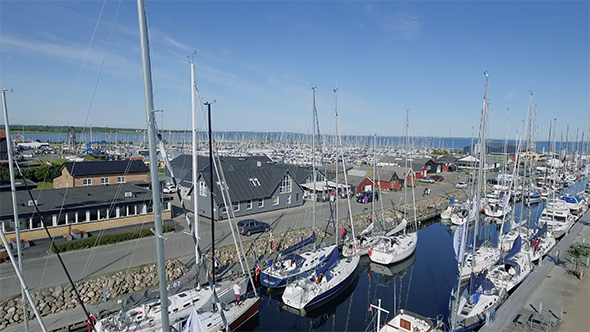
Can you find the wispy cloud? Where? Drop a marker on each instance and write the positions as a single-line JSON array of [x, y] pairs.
[[399, 23]]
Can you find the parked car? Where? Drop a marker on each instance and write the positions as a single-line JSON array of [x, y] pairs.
[[437, 178], [427, 180], [461, 185], [250, 226], [169, 189], [367, 197]]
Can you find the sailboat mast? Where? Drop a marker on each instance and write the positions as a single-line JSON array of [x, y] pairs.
[[195, 229], [14, 204], [313, 161], [373, 180], [156, 199], [337, 161], [482, 156]]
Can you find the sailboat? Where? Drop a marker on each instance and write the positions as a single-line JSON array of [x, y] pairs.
[[289, 265], [396, 245], [471, 304], [175, 310], [515, 266], [329, 278]]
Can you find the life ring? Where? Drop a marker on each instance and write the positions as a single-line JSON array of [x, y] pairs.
[[357, 246]]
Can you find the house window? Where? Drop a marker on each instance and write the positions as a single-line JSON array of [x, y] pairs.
[[237, 207], [121, 179], [286, 185], [260, 202], [289, 199], [275, 200], [249, 205], [104, 181], [254, 182], [87, 182], [202, 189], [297, 197]]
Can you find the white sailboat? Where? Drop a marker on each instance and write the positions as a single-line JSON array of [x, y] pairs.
[[515, 266], [160, 315], [473, 303], [396, 245], [329, 278], [291, 266]]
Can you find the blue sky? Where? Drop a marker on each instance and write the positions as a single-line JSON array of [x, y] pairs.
[[78, 63]]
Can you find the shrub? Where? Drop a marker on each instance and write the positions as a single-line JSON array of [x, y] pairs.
[[105, 240]]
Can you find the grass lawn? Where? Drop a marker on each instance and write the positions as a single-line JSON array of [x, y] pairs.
[[44, 185]]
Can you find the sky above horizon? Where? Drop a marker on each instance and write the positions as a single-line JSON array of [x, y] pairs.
[[78, 63]]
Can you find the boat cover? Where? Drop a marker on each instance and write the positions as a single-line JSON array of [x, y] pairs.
[[325, 269], [571, 199], [398, 228], [540, 231], [515, 249], [299, 245]]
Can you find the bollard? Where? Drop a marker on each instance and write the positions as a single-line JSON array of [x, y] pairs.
[[582, 274], [557, 256], [587, 261], [541, 307]]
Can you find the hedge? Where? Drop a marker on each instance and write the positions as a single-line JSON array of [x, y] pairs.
[[105, 240]]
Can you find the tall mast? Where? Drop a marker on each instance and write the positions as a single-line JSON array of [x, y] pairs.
[[14, 206], [374, 171], [156, 199], [196, 189], [482, 155], [337, 161], [315, 196]]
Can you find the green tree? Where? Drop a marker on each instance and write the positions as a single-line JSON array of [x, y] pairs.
[[577, 251]]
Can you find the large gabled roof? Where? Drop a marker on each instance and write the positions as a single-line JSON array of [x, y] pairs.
[[86, 168], [247, 183]]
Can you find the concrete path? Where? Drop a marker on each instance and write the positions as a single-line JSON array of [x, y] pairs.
[[551, 298]]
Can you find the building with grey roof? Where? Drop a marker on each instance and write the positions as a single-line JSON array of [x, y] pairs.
[[83, 208], [96, 173], [255, 184]]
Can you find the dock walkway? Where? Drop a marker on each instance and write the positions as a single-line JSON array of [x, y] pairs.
[[550, 299]]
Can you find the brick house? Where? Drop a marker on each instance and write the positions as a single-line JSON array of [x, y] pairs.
[[96, 173]]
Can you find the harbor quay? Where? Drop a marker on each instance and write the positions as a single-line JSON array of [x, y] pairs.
[[551, 298]]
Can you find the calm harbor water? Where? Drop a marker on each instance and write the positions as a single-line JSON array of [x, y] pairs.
[[421, 284]]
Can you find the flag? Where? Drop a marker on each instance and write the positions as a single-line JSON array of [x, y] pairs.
[[459, 242], [193, 324], [452, 200]]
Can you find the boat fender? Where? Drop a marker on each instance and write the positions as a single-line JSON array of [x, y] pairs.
[[319, 279]]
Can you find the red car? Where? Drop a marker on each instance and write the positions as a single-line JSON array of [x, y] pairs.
[[437, 178]]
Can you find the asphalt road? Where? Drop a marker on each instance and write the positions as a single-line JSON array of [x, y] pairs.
[[43, 270]]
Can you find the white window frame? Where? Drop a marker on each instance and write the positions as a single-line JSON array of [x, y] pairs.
[[249, 205], [254, 182], [202, 189], [288, 199], [87, 182], [276, 200], [237, 207], [286, 185], [121, 179], [297, 197], [104, 181], [260, 203]]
